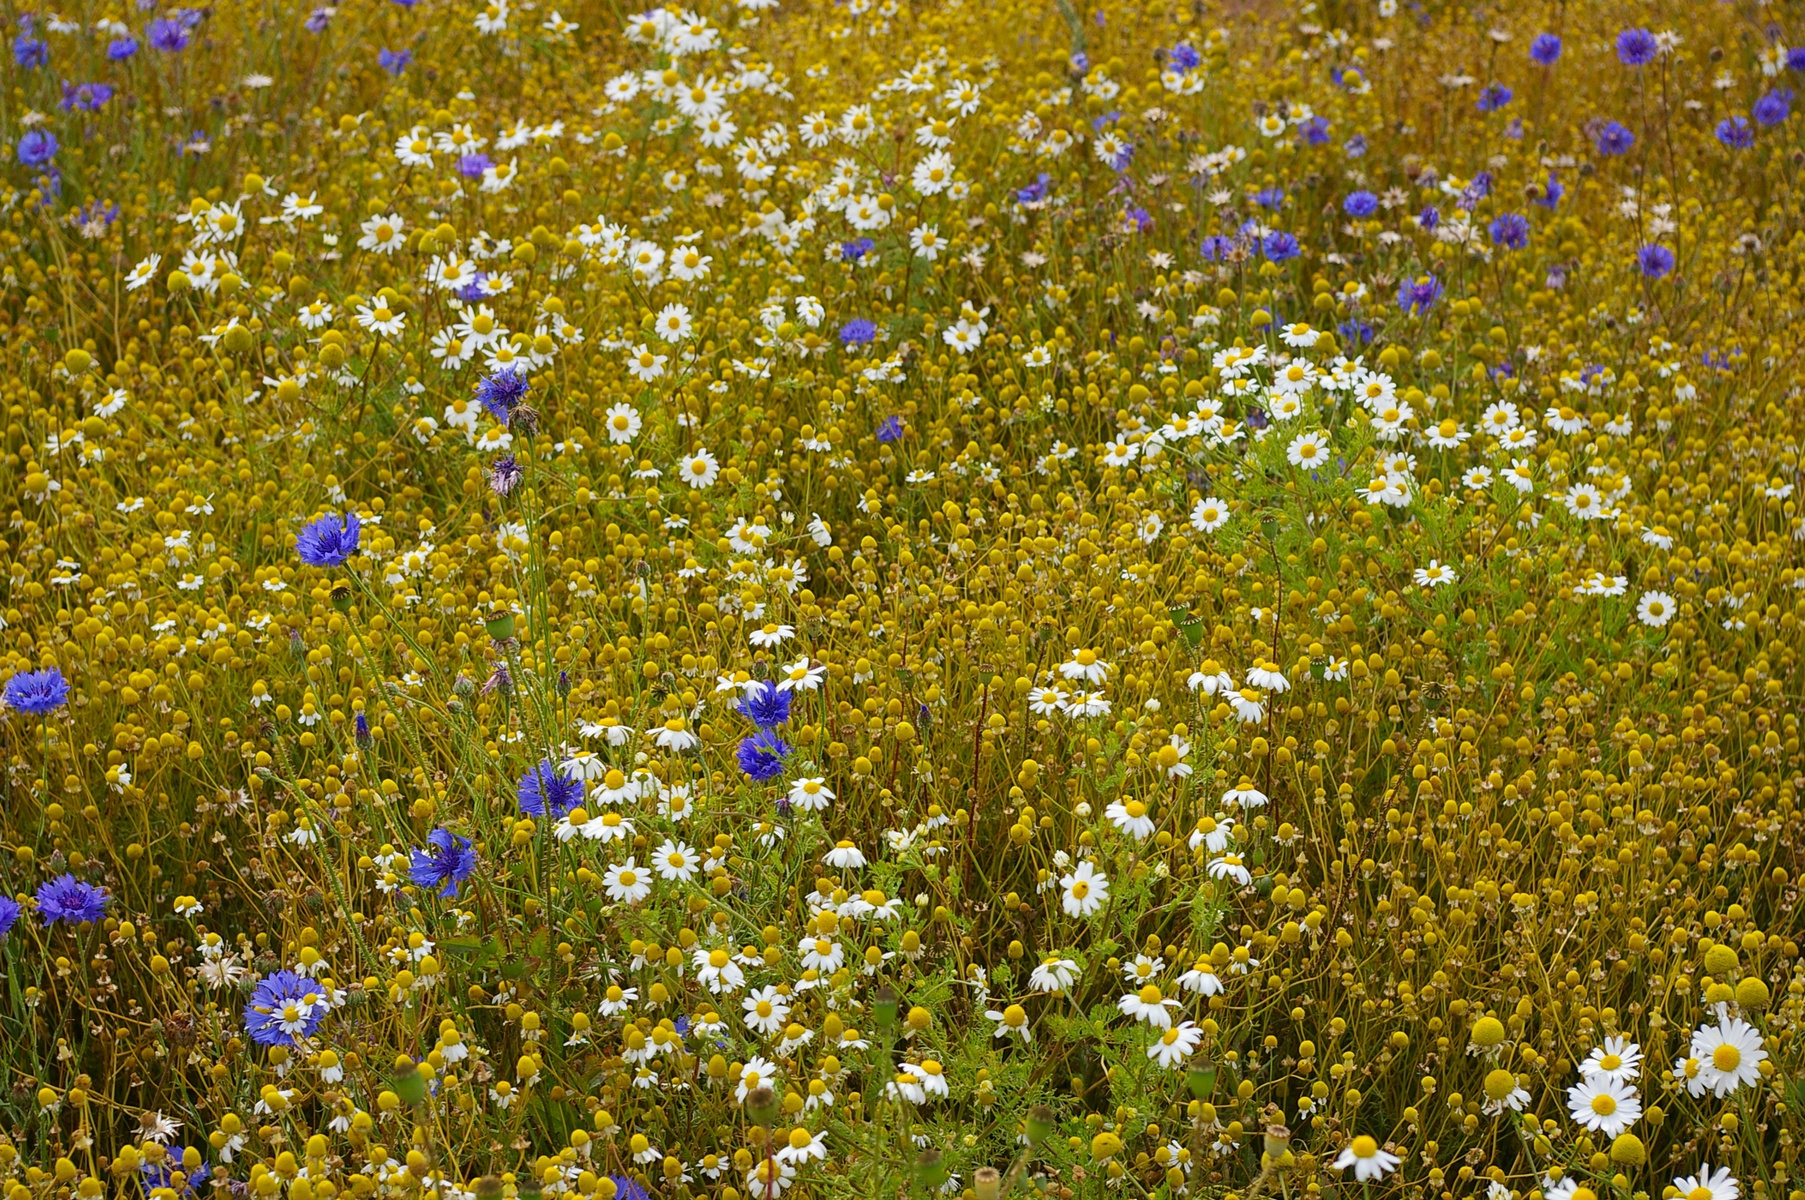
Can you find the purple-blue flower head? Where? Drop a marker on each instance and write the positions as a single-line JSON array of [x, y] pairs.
[[122, 48], [761, 755], [285, 1006], [1279, 246], [1795, 59], [890, 429], [765, 706], [167, 34], [1183, 57], [9, 914], [1035, 191], [1774, 107], [162, 1175], [88, 97], [37, 147], [472, 166], [1429, 218], [1419, 295], [1545, 49], [37, 692], [858, 332], [1355, 147], [394, 61], [505, 474], [1654, 261], [856, 249], [1613, 139], [502, 392], [69, 900], [1494, 97], [446, 861], [1637, 47], [1510, 230], [1216, 248], [1314, 132], [546, 791], [1736, 133], [329, 541], [1271, 197], [1551, 195], [1360, 204], [30, 52]]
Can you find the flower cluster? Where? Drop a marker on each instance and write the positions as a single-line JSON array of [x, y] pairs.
[[785, 597]]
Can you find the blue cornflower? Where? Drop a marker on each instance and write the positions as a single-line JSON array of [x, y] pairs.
[[628, 1188], [502, 392], [37, 692], [1494, 97], [328, 541], [1795, 59], [1736, 133], [1280, 246], [9, 914], [1216, 248], [1774, 107], [167, 35], [1551, 195], [1314, 132], [1360, 204], [1034, 191], [858, 332], [1355, 147], [472, 166], [1637, 47], [121, 48], [1510, 230], [1183, 58], [856, 249], [890, 429], [1654, 261], [37, 147], [1429, 218], [761, 755], [1355, 331], [318, 19], [285, 1007], [765, 706], [1140, 218], [30, 52], [1545, 49], [394, 61], [547, 791], [505, 474], [89, 97], [71, 901], [1419, 295], [446, 861], [1613, 140], [1272, 197], [1474, 192], [159, 1175]]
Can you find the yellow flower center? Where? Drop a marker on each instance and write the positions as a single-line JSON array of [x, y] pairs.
[[1726, 1058], [1364, 1147], [1604, 1104]]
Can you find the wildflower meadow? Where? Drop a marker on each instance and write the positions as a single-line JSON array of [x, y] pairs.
[[850, 598]]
